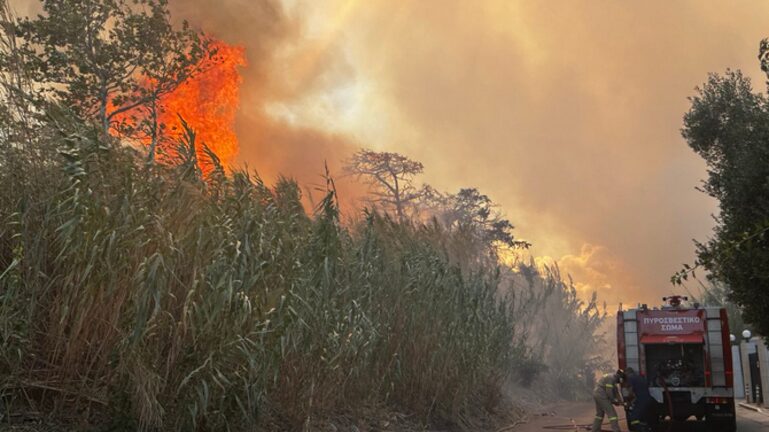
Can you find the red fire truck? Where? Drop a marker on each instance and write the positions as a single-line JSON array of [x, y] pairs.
[[684, 353]]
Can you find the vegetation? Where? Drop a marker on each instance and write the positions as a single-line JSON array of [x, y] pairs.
[[218, 302], [471, 216], [180, 302], [152, 296], [727, 126], [480, 230], [110, 60], [563, 333]]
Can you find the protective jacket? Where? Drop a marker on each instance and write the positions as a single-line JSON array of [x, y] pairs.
[[606, 387]]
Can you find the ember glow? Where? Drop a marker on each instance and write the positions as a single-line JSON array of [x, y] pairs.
[[209, 101]]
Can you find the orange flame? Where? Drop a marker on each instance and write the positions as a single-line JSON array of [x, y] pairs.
[[209, 101]]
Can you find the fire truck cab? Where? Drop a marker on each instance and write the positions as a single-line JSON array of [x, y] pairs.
[[685, 355]]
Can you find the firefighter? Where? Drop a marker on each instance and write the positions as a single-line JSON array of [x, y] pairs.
[[606, 396], [638, 413]]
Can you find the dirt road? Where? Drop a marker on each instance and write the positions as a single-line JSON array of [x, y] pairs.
[[582, 413]]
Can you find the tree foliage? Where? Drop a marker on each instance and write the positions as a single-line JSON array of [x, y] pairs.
[[481, 230], [713, 293], [470, 210], [108, 60], [728, 126], [473, 216]]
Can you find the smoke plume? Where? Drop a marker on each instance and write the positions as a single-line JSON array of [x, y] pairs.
[[567, 114]]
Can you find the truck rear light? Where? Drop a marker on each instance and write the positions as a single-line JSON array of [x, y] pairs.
[[717, 400]]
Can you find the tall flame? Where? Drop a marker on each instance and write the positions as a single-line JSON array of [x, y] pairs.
[[209, 101]]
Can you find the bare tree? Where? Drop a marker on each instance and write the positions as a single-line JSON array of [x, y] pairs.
[[392, 177]]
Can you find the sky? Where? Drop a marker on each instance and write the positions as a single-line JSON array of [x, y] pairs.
[[566, 113]]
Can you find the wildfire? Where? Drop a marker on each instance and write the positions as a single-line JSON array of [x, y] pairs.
[[209, 101]]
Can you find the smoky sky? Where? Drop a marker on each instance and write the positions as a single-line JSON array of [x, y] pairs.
[[567, 114], [270, 37]]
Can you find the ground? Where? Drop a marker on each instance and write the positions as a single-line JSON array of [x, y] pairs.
[[563, 416]]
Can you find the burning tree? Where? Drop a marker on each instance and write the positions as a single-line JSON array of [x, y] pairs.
[[110, 61], [208, 102]]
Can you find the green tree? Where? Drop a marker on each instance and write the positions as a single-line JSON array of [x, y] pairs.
[[728, 126], [109, 60]]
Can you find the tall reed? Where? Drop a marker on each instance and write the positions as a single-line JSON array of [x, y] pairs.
[[176, 302]]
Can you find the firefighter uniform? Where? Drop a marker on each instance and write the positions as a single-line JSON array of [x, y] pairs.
[[605, 394]]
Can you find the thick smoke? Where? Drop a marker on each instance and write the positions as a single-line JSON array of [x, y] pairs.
[[277, 73], [568, 114]]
